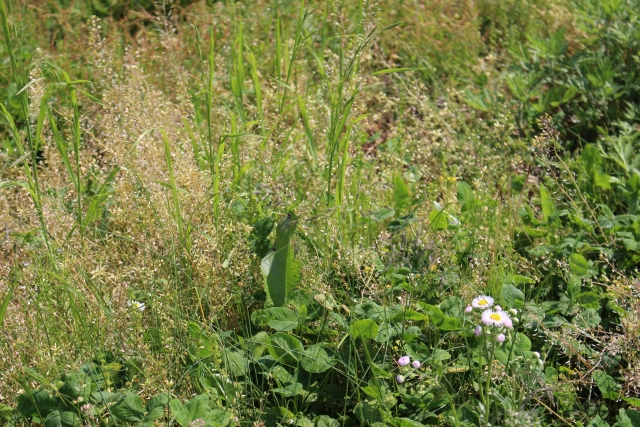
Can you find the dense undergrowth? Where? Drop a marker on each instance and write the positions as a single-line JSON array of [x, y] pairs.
[[268, 213]]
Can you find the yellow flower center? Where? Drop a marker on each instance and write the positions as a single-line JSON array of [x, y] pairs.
[[495, 316], [482, 302]]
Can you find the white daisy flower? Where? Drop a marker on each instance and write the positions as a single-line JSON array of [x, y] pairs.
[[136, 304], [494, 318], [482, 302]]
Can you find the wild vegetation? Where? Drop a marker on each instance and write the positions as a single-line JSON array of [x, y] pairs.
[[321, 213]]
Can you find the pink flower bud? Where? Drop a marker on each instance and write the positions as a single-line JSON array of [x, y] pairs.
[[501, 338], [416, 364], [404, 361], [469, 309], [400, 379], [478, 330]]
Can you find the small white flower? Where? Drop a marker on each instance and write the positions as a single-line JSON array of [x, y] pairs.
[[136, 304], [495, 318], [482, 302]]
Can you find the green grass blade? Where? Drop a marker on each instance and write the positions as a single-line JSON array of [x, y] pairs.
[[5, 304]]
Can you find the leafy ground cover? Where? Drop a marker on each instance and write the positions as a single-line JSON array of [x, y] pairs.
[[267, 213]]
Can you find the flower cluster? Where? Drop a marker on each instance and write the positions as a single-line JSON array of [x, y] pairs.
[[405, 361], [491, 317]]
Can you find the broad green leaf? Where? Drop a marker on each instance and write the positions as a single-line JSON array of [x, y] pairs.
[[628, 418], [263, 227], [325, 421], [632, 401], [523, 342], [452, 306], [279, 318], [315, 359], [62, 419], [196, 408], [450, 324], [438, 220], [587, 319], [409, 314], [368, 414], [156, 405], [283, 325], [36, 402], [284, 348], [406, 422], [364, 329], [465, 197], [435, 314], [401, 195], [382, 214], [547, 203], [589, 299], [607, 385], [236, 363], [439, 355], [289, 390], [578, 265], [522, 280], [128, 408], [512, 296], [279, 267]]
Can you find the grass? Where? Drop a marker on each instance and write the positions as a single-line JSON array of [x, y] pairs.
[[300, 193]]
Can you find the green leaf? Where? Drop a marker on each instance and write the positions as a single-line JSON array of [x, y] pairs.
[[466, 197], [439, 355], [263, 227], [64, 419], [587, 319], [435, 314], [632, 401], [401, 195], [522, 280], [128, 408], [315, 359], [364, 329], [325, 421], [236, 363], [627, 418], [512, 296], [382, 214], [38, 402], [578, 265], [607, 385], [452, 306], [279, 268], [284, 348], [196, 408], [290, 390], [279, 318], [406, 422], [450, 324], [155, 407], [438, 220], [523, 342], [547, 203]]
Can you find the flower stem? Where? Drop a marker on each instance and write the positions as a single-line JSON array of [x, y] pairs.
[[487, 388]]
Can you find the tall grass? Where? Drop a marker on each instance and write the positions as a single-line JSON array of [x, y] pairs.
[[139, 182]]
